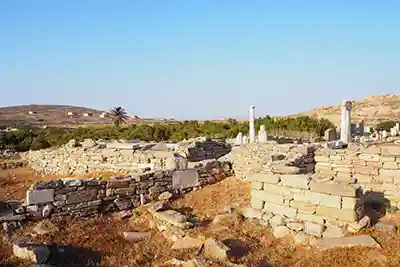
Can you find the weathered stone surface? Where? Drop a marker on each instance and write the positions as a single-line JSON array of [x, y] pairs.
[[296, 226], [277, 221], [314, 229], [267, 197], [165, 196], [185, 179], [301, 239], [281, 210], [187, 242], [215, 249], [135, 236], [385, 227], [39, 196], [281, 231], [264, 178], [31, 252], [334, 189], [81, 196], [333, 232], [252, 213], [296, 181], [45, 227], [345, 242]]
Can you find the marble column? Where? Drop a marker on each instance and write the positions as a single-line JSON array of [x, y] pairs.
[[345, 123], [239, 139], [252, 130], [262, 134]]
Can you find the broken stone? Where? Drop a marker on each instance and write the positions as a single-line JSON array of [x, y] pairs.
[[281, 231], [277, 221], [346, 242], [35, 253], [252, 213], [226, 219], [187, 243], [385, 227], [47, 210], [135, 236], [333, 232], [125, 214], [123, 204], [296, 226], [155, 207], [361, 224], [215, 249], [170, 216], [45, 227], [165, 196]]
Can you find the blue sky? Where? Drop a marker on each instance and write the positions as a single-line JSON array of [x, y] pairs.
[[197, 59]]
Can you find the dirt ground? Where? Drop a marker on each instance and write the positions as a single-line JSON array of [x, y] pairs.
[[98, 241]]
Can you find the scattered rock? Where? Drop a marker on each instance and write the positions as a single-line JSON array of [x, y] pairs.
[[252, 213], [45, 227], [281, 231], [346, 242], [226, 219], [35, 253], [215, 249], [125, 214], [188, 243], [173, 217], [296, 226], [135, 236], [361, 224], [385, 227], [154, 207], [333, 232], [165, 196], [267, 216], [47, 210]]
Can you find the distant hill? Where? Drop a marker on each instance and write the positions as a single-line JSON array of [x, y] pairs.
[[371, 109], [50, 115]]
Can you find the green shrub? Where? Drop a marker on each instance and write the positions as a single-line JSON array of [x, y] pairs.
[[385, 125]]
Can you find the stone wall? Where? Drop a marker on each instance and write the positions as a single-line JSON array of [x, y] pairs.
[[12, 164], [271, 157], [82, 197], [375, 168], [284, 199], [92, 157]]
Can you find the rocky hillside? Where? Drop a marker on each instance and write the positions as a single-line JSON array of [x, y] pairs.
[[372, 109], [50, 115]]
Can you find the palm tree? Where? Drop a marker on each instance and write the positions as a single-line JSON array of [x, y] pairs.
[[118, 115]]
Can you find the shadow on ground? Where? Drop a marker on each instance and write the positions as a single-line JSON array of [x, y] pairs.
[[66, 255]]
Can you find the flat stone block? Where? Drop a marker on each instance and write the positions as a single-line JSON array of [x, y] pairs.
[[339, 214], [351, 203], [310, 217], [267, 197], [281, 210], [334, 189], [331, 201], [182, 179], [390, 150], [314, 229], [300, 205], [279, 190], [39, 196], [257, 204], [346, 242], [257, 185], [296, 181], [81, 196], [264, 177], [391, 173]]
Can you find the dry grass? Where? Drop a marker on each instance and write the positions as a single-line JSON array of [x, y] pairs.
[[100, 236]]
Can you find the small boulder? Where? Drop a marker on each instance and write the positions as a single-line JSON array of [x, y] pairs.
[[281, 232], [125, 214], [215, 249], [135, 236], [251, 213], [187, 242], [35, 253], [296, 226], [165, 196], [361, 224], [385, 227], [45, 227], [346, 242], [276, 221]]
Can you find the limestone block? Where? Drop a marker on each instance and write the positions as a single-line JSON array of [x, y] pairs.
[[340, 214], [369, 157], [310, 217], [351, 203], [321, 158], [347, 242], [363, 178], [267, 197], [215, 249], [296, 181], [252, 213], [314, 229], [264, 177], [280, 190], [128, 191], [257, 185], [39, 196], [391, 165], [388, 159], [390, 150], [334, 189], [281, 210], [302, 206], [331, 201], [391, 173]]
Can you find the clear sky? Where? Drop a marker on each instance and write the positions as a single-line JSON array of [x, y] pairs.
[[198, 59]]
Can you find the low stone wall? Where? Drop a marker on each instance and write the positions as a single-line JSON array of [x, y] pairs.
[[82, 197], [92, 157], [12, 164], [315, 207], [375, 168], [271, 157]]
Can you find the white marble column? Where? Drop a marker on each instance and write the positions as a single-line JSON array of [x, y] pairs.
[[345, 123], [262, 134], [239, 139], [252, 130]]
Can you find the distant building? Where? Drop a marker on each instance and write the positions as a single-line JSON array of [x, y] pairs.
[[103, 115], [31, 112], [70, 113], [87, 114]]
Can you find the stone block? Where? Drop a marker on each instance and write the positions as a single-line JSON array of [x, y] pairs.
[[347, 242], [390, 150], [322, 158], [252, 213], [302, 206], [264, 177], [314, 229], [279, 190], [39, 196], [182, 179], [81, 196], [362, 178], [257, 185], [391, 173], [310, 217], [281, 210], [296, 181], [391, 165], [119, 183], [334, 189], [331, 201], [267, 197], [257, 203], [369, 157], [346, 215], [128, 191], [351, 203]]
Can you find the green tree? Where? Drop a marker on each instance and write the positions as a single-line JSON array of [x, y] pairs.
[[118, 115], [385, 125]]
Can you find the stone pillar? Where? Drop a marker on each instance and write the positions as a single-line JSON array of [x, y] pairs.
[[239, 139], [345, 122], [397, 126], [245, 140], [252, 130], [262, 134]]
